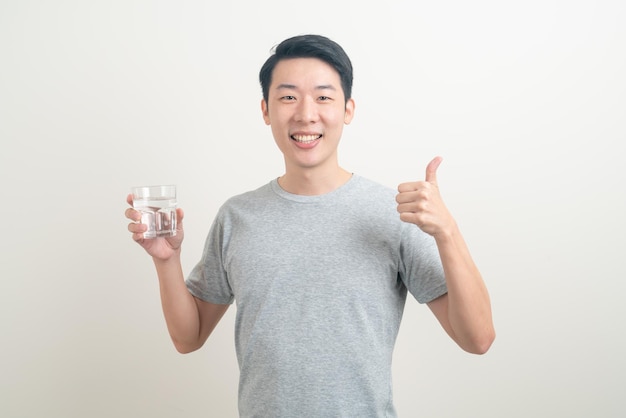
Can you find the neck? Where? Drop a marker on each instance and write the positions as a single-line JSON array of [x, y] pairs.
[[311, 183]]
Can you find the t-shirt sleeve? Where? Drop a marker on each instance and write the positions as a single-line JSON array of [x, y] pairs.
[[420, 265], [209, 280]]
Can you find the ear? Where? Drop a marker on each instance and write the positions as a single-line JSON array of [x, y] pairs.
[[265, 111], [349, 113]]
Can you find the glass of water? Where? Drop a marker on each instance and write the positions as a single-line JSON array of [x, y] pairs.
[[157, 205]]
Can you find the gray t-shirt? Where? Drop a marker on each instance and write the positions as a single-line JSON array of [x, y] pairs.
[[320, 284]]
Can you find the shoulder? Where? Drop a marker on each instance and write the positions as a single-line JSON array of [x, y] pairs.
[[374, 194], [245, 201], [262, 192], [366, 184]]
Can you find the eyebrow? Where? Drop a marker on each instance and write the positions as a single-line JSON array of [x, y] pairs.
[[286, 86]]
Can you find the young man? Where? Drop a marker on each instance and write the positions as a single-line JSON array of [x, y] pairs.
[[319, 261]]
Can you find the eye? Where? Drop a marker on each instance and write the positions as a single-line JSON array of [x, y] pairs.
[[288, 98], [324, 98]]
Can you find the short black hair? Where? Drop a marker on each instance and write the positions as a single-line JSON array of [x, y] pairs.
[[309, 46]]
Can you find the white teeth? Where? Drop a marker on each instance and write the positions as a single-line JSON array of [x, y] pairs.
[[305, 139]]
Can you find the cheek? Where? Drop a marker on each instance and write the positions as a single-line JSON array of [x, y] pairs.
[[333, 117], [278, 131], [335, 123], [274, 119]]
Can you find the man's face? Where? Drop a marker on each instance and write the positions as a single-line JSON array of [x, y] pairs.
[[306, 109]]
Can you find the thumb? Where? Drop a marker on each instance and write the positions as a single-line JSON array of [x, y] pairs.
[[431, 170]]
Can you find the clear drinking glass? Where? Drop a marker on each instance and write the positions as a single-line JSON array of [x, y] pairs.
[[157, 205]]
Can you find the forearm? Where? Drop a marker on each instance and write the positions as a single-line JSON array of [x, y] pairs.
[[179, 306], [469, 306]]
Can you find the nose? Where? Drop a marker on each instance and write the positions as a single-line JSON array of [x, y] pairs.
[[306, 111]]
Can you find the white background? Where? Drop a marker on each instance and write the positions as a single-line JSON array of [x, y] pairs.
[[524, 100]]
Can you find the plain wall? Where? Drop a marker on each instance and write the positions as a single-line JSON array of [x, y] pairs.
[[524, 100]]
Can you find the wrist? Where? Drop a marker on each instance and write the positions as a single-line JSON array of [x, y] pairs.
[[448, 233], [174, 258]]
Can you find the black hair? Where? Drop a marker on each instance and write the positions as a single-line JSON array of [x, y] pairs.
[[309, 46]]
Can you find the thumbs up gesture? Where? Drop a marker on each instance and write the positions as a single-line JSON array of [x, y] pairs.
[[420, 203]]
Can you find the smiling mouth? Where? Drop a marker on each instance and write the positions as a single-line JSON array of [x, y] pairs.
[[306, 139]]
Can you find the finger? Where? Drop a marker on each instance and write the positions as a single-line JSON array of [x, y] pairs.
[[129, 199], [179, 219], [431, 170], [408, 217], [409, 187], [136, 228], [412, 206], [133, 215], [138, 238], [406, 197]]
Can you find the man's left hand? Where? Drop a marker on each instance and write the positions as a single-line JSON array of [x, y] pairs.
[[420, 203]]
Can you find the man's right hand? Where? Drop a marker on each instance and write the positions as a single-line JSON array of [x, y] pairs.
[[159, 248]]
